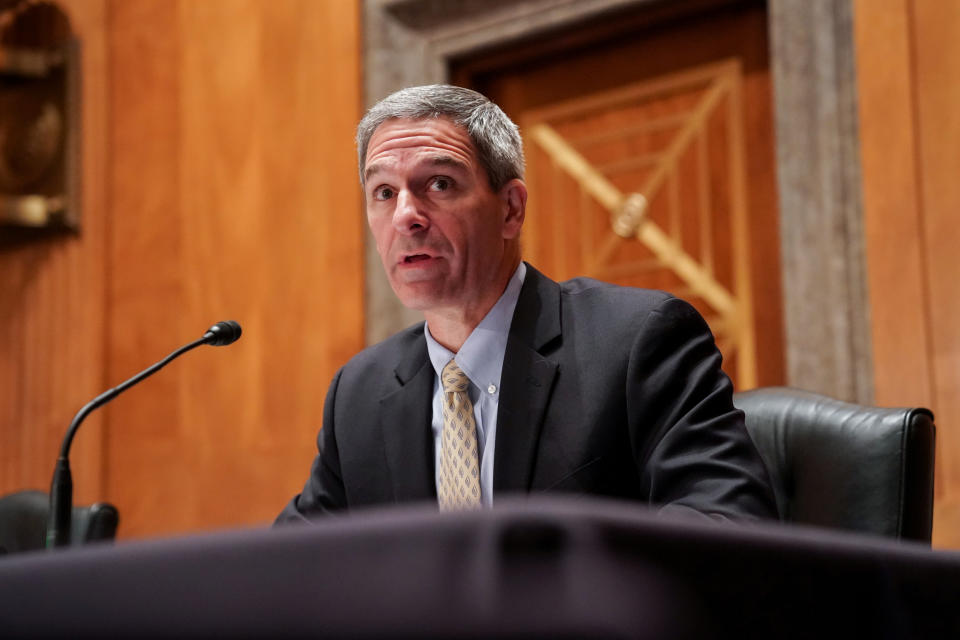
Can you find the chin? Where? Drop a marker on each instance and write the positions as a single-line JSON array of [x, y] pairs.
[[412, 299]]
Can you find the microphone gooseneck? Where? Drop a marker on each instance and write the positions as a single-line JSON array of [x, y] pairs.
[[61, 488]]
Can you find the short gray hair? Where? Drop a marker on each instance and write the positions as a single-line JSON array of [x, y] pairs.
[[495, 137]]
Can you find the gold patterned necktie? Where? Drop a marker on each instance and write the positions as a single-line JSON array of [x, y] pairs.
[[459, 486]]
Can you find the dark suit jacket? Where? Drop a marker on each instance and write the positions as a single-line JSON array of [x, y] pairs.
[[605, 390]]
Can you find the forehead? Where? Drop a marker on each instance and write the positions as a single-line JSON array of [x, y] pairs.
[[400, 138]]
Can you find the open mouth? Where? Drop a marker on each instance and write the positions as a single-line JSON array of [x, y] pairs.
[[416, 257]]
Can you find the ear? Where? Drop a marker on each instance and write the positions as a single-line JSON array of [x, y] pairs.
[[514, 198]]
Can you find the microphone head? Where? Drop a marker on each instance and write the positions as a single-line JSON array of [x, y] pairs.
[[223, 333]]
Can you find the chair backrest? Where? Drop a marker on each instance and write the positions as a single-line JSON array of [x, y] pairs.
[[843, 465], [23, 522]]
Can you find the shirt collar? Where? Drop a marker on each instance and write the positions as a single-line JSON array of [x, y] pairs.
[[481, 356]]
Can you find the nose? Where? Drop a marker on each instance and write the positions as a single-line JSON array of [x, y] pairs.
[[407, 217]]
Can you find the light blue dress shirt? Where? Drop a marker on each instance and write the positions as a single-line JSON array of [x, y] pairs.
[[481, 358]]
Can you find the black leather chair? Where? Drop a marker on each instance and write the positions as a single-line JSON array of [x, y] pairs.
[[847, 466], [23, 522]]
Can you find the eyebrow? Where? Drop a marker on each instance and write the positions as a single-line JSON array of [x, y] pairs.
[[447, 161], [372, 169], [434, 161]]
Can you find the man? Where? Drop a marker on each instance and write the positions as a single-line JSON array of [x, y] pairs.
[[515, 383]]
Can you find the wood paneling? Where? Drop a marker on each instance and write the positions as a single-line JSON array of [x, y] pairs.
[[908, 60], [638, 46], [676, 140], [936, 34], [218, 182], [891, 204], [234, 195], [52, 309]]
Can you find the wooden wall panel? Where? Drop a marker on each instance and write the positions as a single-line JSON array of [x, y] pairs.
[[936, 36], [899, 303], [908, 55], [146, 308], [234, 196], [52, 309]]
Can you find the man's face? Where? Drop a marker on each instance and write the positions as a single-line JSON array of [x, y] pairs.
[[442, 233]]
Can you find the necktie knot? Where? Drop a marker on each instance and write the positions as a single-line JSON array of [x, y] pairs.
[[453, 378]]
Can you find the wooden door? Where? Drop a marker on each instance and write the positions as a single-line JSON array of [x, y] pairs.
[[650, 163]]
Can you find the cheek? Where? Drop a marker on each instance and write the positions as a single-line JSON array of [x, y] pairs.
[[380, 233]]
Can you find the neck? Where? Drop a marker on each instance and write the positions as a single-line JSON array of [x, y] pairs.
[[449, 331], [452, 326]]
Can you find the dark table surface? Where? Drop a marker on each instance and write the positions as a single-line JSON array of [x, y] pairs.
[[529, 568]]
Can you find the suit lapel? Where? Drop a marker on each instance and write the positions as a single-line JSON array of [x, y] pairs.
[[526, 382], [405, 416]]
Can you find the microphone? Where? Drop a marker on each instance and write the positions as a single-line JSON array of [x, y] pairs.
[[61, 488], [223, 333]]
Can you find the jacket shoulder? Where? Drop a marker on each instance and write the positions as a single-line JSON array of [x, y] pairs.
[[594, 292], [623, 314]]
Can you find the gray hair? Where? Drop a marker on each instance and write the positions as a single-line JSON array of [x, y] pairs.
[[495, 137]]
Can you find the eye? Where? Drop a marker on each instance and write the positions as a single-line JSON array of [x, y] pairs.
[[440, 183], [383, 193]]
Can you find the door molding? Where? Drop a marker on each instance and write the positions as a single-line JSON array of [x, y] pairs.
[[825, 298]]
